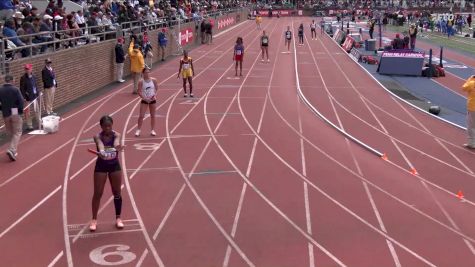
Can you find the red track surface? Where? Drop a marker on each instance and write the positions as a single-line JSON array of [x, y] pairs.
[[247, 175]]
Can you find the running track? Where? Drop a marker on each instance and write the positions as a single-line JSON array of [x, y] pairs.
[[247, 175]]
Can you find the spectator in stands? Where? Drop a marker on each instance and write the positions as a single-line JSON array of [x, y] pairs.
[[162, 42], [469, 87], [120, 56], [18, 19], [136, 62], [7, 9], [32, 15], [30, 92], [49, 84], [10, 32], [11, 103], [413, 35], [80, 20]]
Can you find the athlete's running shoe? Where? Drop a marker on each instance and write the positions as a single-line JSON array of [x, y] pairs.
[[153, 133], [93, 226], [119, 224], [12, 155], [137, 133]]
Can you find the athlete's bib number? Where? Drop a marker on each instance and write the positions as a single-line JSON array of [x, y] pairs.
[[238, 52], [149, 92], [264, 40], [288, 35], [186, 66], [109, 154]]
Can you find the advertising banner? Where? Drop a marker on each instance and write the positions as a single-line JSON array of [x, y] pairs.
[[185, 36]]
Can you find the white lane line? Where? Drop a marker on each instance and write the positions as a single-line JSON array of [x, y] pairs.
[[305, 185], [195, 193], [235, 223], [142, 258], [92, 235], [126, 179], [56, 259], [29, 212], [67, 244], [272, 205], [35, 163], [230, 240], [199, 159]]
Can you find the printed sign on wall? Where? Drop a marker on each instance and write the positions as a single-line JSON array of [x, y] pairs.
[[185, 36]]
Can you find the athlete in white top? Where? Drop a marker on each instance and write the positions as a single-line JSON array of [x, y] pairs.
[[148, 99], [313, 27]]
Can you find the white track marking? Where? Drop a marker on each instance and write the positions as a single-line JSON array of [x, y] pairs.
[[305, 185], [439, 205], [35, 163], [69, 258], [29, 212], [368, 193], [195, 193], [168, 137], [142, 258], [272, 205], [68, 254], [145, 233], [56, 259]]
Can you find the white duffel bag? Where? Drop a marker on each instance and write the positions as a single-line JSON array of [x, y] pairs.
[[50, 123]]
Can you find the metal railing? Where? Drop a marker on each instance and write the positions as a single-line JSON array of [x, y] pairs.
[[50, 42]]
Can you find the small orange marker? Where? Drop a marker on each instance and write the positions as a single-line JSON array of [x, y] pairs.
[[384, 156], [460, 195], [414, 172]]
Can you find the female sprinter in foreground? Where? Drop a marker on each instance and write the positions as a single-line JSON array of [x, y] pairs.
[[186, 70], [107, 166], [238, 54], [147, 90]]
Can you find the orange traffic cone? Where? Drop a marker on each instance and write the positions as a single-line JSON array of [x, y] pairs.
[[384, 156], [460, 195], [414, 172]]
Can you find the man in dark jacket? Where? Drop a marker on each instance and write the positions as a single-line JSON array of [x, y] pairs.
[[11, 104], [29, 91], [120, 56], [49, 84]]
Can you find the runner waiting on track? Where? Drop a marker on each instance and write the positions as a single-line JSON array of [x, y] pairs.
[[186, 70], [265, 46], [239, 54], [148, 92], [313, 27], [107, 166], [258, 21], [288, 38], [301, 34]]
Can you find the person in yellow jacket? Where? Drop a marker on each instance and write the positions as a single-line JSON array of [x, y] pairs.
[[136, 63], [469, 87]]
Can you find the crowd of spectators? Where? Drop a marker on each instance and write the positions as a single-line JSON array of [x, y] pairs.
[[362, 4], [23, 24]]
